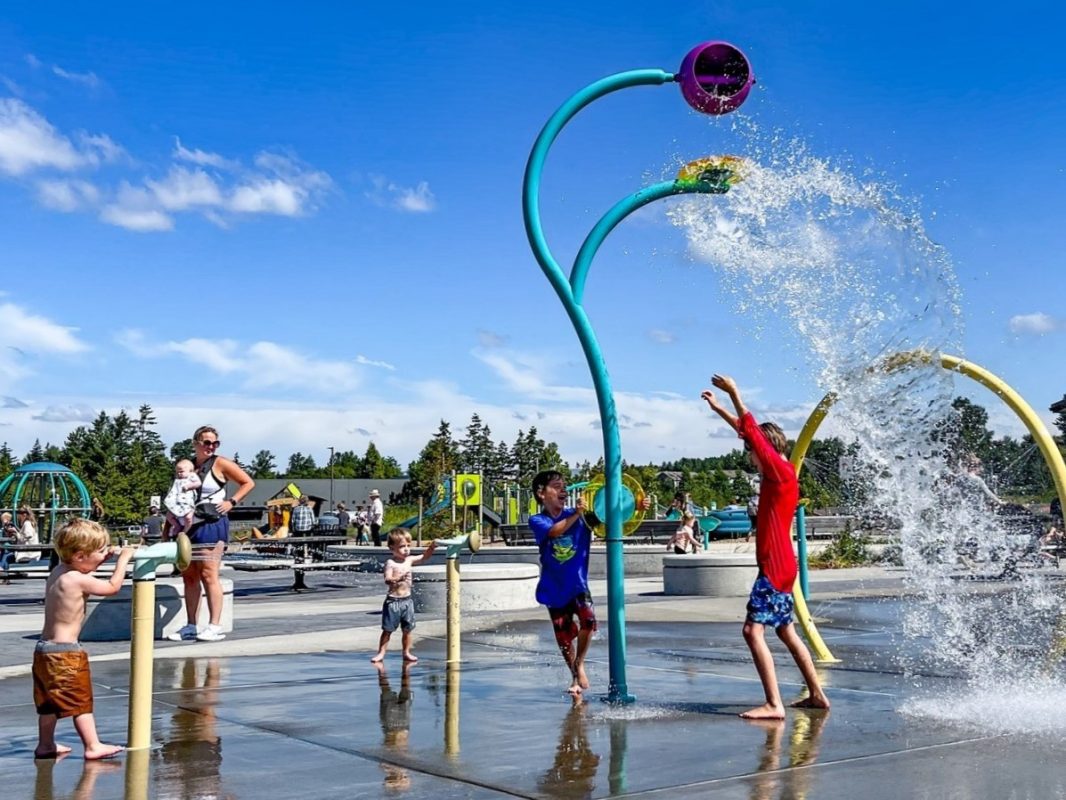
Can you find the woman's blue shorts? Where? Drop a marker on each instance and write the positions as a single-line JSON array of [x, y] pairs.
[[210, 533], [767, 606]]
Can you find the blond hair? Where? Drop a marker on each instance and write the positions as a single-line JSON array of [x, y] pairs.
[[687, 516], [398, 536], [80, 536]]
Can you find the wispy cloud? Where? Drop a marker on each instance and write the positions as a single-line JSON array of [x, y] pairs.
[[88, 79], [361, 359], [416, 200], [259, 365], [1036, 324], [72, 413], [12, 402], [491, 339], [24, 334], [202, 158], [29, 142], [67, 195], [659, 336]]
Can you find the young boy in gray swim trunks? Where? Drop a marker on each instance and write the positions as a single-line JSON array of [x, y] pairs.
[[398, 610]]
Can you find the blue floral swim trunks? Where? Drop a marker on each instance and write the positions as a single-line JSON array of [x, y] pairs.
[[767, 606]]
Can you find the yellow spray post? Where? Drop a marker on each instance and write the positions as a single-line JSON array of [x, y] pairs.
[[455, 546], [145, 562], [451, 711]]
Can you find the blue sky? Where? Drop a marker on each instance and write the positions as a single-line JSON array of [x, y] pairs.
[[305, 228]]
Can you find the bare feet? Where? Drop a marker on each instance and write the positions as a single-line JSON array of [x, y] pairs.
[[378, 658], [580, 678], [59, 751], [574, 690], [814, 701], [765, 711], [410, 658], [102, 751]]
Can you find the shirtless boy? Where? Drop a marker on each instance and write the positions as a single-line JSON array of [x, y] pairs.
[[398, 610], [62, 685]]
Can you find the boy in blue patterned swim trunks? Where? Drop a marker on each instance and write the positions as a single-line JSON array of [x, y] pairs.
[[771, 597]]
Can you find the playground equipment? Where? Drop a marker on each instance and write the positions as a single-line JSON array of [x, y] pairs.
[[998, 386], [715, 78], [145, 562], [52, 491], [455, 545], [632, 500]]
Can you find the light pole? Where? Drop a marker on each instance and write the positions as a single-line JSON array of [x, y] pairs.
[[331, 506]]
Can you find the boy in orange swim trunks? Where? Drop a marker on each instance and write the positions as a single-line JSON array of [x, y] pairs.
[[62, 685]]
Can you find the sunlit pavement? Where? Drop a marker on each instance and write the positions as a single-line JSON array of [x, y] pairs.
[[326, 724]]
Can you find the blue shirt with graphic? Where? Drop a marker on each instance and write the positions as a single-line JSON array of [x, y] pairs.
[[564, 560]]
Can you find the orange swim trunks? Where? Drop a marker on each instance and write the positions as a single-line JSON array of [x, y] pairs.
[[62, 684]]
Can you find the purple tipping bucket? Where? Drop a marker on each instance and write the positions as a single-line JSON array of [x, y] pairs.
[[715, 78]]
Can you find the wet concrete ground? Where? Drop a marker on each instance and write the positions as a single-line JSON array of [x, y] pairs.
[[327, 725]]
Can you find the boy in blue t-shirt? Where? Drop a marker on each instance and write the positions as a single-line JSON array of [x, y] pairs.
[[565, 543]]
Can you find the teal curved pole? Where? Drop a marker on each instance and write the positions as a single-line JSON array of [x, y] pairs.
[[571, 292]]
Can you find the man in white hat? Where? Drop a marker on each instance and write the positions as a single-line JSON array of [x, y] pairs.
[[376, 516]]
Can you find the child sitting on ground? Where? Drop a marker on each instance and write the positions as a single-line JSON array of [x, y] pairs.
[[398, 610], [181, 499], [771, 601], [684, 535], [62, 685]]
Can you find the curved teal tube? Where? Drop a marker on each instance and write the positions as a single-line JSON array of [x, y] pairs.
[[571, 292]]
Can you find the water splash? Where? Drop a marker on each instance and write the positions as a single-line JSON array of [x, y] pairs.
[[841, 270]]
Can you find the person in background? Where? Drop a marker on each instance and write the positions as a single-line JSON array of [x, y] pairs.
[[376, 516], [344, 519], [152, 526], [302, 519]]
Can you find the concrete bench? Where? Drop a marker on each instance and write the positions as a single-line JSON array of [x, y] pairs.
[[482, 587], [107, 619], [709, 575]]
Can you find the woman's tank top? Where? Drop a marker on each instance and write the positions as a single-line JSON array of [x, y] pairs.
[[212, 487]]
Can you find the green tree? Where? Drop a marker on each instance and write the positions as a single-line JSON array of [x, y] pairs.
[[36, 453], [183, 448], [8, 462], [263, 465], [476, 449], [301, 466], [437, 460]]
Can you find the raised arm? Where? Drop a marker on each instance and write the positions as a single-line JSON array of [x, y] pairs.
[[719, 409], [102, 588], [426, 554]]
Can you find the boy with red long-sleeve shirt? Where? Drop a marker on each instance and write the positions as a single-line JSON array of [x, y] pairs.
[[770, 602]]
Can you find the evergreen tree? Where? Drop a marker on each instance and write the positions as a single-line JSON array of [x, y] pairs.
[[183, 448], [437, 460], [263, 465], [476, 448], [8, 462], [36, 453], [301, 466]]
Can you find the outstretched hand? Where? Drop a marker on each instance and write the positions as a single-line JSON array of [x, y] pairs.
[[711, 399], [725, 383]]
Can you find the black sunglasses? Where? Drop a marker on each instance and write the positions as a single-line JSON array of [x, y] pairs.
[[209, 443]]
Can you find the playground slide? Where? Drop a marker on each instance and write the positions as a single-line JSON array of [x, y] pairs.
[[441, 502]]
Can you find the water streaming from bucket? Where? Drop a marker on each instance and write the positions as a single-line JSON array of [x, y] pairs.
[[840, 270]]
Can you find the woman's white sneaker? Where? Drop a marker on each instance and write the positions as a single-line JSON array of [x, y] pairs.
[[212, 633]]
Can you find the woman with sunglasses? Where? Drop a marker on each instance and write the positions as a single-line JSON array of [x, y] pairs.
[[209, 534]]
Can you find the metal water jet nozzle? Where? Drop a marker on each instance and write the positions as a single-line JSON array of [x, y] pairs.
[[457, 543], [715, 77], [148, 559]]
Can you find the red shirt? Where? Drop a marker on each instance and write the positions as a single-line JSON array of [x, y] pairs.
[[778, 496]]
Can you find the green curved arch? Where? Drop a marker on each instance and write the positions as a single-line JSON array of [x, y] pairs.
[[997, 385]]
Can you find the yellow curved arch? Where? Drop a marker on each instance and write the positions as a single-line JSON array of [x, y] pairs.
[[998, 386]]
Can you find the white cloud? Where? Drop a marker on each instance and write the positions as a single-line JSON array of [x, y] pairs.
[[260, 365], [24, 335], [1036, 324], [416, 200], [660, 336], [184, 188], [361, 359], [140, 220], [72, 413], [101, 148], [32, 60], [29, 142], [67, 195], [202, 158], [84, 78], [490, 339], [11, 86]]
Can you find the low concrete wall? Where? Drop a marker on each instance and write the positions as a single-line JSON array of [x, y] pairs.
[[709, 575], [636, 559], [482, 587], [107, 619]]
